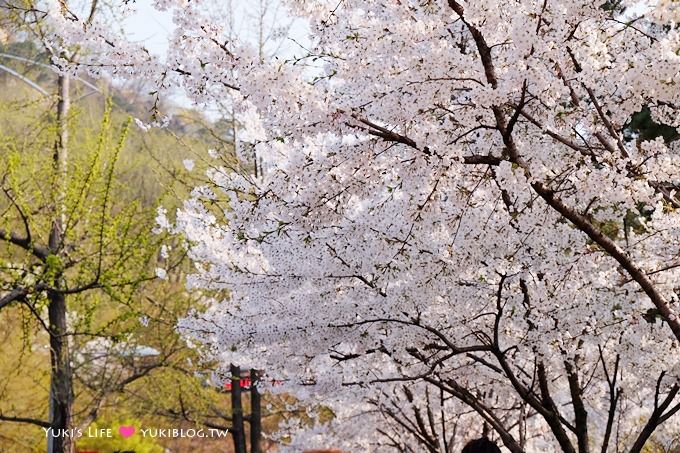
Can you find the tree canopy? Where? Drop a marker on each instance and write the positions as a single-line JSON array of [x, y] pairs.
[[466, 215]]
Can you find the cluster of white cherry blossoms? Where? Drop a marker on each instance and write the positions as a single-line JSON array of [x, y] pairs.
[[453, 201]]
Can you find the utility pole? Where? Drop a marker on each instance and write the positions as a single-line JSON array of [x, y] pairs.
[[255, 413], [237, 431]]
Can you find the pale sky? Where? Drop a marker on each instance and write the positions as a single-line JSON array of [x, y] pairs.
[[152, 27]]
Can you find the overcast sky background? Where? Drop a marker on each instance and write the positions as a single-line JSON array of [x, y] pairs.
[[152, 28]]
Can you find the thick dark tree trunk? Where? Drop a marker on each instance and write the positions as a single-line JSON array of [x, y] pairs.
[[255, 414], [61, 390], [61, 379], [237, 431]]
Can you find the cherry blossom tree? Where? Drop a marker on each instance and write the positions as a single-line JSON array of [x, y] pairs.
[[457, 200]]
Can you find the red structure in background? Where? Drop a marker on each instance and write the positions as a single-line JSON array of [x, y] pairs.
[[245, 383]]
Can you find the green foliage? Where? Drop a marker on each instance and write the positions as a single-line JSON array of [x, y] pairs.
[[610, 228], [642, 125], [106, 260], [615, 6]]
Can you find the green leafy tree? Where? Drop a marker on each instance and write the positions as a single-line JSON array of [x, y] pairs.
[[118, 337]]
